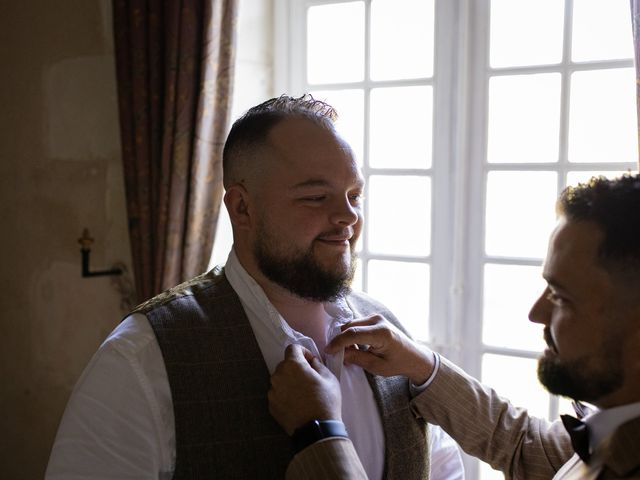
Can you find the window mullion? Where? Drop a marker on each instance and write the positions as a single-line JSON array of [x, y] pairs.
[[472, 185]]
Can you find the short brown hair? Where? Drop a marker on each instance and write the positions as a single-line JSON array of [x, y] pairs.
[[251, 130]]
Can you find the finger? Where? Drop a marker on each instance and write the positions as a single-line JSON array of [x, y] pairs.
[[364, 321], [298, 354], [320, 367], [294, 352], [352, 336], [363, 359], [311, 358], [308, 355]]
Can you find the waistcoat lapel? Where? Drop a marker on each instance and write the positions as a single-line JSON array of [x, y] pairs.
[[406, 445], [406, 450]]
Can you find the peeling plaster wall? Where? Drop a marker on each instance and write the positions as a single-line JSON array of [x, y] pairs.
[[60, 171]]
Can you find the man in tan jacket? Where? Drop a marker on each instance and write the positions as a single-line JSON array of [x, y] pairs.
[[590, 311]]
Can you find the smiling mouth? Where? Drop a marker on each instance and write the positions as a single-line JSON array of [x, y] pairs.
[[342, 242], [337, 238]]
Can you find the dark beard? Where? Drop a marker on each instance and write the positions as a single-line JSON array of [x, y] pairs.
[[575, 380], [301, 274]]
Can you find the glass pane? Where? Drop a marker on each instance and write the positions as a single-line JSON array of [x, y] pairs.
[[524, 118], [509, 293], [356, 284], [565, 407], [574, 178], [601, 30], [350, 107], [404, 288], [516, 379], [223, 240], [401, 26], [401, 125], [399, 215], [523, 33], [338, 56], [520, 213], [603, 125]]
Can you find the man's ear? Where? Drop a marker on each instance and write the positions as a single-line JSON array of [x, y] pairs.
[[237, 201]]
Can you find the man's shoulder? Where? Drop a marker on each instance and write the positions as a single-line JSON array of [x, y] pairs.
[[362, 300], [363, 305], [623, 449], [197, 285], [132, 340]]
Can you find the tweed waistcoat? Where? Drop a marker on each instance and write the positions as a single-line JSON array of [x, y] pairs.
[[219, 383]]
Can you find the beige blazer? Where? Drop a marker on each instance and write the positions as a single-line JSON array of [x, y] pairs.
[[488, 427]]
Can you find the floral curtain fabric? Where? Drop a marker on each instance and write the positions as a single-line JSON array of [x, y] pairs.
[[174, 63]]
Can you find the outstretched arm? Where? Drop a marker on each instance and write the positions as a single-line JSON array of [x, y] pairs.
[[303, 390]]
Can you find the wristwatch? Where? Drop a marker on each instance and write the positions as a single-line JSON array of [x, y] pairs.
[[316, 430]]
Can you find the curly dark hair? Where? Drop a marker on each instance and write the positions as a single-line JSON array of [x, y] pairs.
[[251, 130], [614, 205]]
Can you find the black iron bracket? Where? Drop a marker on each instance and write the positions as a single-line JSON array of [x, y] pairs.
[[85, 243]]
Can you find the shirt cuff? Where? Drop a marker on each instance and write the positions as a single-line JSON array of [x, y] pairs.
[[417, 389]]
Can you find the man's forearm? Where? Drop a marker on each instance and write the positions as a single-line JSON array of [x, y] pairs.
[[332, 459], [490, 428]]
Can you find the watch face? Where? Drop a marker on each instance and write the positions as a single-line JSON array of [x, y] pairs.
[[317, 430]]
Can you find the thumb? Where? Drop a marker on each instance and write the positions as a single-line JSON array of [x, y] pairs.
[[296, 353], [302, 356], [318, 366]]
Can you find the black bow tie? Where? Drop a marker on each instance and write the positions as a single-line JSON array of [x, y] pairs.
[[579, 433]]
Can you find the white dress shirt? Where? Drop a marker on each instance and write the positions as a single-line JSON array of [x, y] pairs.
[[119, 420]]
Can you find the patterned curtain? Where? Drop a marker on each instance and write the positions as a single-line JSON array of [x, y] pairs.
[[635, 23], [174, 62]]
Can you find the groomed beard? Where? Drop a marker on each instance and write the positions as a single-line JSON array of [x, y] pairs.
[[300, 273], [580, 379]]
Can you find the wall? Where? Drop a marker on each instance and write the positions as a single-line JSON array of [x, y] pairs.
[[60, 171]]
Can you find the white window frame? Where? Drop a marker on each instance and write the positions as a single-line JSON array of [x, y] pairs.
[[289, 72], [461, 91]]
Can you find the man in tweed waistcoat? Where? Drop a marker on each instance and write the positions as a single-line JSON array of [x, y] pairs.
[[179, 389]]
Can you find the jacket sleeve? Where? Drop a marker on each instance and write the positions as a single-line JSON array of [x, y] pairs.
[[330, 459], [488, 427]]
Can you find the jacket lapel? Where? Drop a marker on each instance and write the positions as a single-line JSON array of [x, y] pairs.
[[621, 454]]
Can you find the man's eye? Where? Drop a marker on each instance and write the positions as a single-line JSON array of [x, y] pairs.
[[556, 299], [315, 198], [356, 197]]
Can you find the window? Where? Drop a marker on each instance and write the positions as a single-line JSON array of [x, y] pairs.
[[469, 117]]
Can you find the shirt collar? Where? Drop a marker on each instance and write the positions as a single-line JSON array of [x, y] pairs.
[[259, 308]]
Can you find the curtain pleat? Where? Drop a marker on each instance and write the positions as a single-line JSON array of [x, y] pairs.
[[174, 63]]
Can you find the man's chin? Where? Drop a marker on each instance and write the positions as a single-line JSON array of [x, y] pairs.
[[337, 265]]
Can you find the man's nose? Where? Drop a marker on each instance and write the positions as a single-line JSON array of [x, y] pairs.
[[344, 213], [541, 310]]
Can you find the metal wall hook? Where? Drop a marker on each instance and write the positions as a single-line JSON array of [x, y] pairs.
[[85, 242]]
